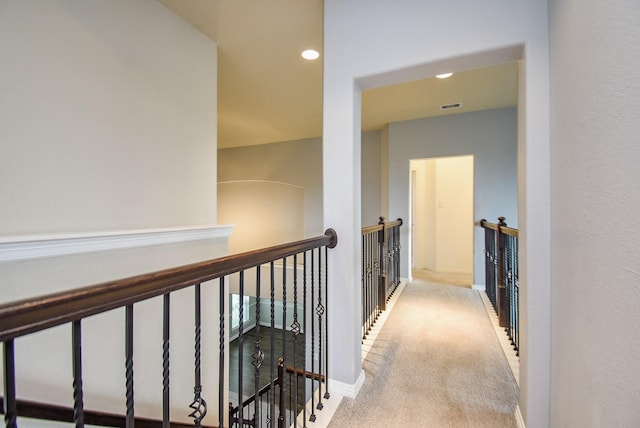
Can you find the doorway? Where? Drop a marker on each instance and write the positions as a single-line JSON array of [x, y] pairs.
[[442, 201]]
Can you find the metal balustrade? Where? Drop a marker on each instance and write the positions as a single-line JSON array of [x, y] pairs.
[[296, 283], [380, 269], [501, 275]]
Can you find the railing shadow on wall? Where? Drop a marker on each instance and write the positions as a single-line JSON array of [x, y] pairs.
[[501, 275], [302, 358], [380, 269]]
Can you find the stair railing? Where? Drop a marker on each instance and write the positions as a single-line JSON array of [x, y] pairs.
[[72, 307], [380, 269], [501, 275]]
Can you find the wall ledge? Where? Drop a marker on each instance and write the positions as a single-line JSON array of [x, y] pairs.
[[36, 246]]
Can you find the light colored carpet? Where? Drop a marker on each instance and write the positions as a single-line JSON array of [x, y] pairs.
[[436, 363], [459, 279]]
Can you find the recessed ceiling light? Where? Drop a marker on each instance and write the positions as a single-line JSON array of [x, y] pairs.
[[444, 75], [310, 54]]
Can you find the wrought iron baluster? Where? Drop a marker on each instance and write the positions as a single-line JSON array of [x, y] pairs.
[[320, 313], [371, 309], [240, 351], [221, 340], [366, 297], [78, 405], [130, 417], [312, 417], [272, 350], [282, 384], [165, 361], [10, 410], [198, 405], [257, 358], [517, 293], [304, 323], [295, 330], [326, 321], [364, 286], [281, 397]]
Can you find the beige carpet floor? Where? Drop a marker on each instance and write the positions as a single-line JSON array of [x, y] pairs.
[[436, 363]]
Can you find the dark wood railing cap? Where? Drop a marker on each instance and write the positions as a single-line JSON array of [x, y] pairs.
[[501, 226], [382, 224], [39, 313]]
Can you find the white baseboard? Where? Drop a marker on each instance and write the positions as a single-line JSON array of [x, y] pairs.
[[36, 246], [346, 389], [322, 417], [478, 287], [519, 419]]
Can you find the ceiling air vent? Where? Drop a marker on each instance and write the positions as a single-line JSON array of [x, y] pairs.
[[452, 106]]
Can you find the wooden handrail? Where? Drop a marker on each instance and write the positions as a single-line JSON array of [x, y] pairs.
[[381, 225], [52, 412], [39, 313], [288, 369], [503, 229]]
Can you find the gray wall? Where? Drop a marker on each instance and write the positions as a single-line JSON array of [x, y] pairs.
[[490, 136], [292, 162], [595, 176], [371, 178], [300, 163]]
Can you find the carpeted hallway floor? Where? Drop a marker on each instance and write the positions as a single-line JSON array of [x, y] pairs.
[[436, 363]]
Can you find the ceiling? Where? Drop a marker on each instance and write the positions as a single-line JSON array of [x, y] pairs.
[[267, 93]]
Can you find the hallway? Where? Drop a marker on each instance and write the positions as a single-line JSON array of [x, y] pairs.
[[436, 362]]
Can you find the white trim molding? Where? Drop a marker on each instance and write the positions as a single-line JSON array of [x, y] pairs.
[[346, 389], [36, 246], [479, 287]]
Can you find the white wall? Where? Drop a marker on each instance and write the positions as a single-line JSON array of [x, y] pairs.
[[595, 87], [443, 240], [375, 43], [297, 163], [107, 118], [454, 214], [263, 213], [107, 123], [490, 136], [371, 178]]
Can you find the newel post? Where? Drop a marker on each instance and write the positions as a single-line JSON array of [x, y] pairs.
[[382, 278], [503, 300]]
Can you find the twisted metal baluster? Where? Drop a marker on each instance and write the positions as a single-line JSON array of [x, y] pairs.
[[320, 312], [295, 330], [363, 287], [257, 358], [78, 405], [199, 405], [312, 417], [165, 362], [272, 350], [281, 417], [221, 369], [130, 418], [10, 410]]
